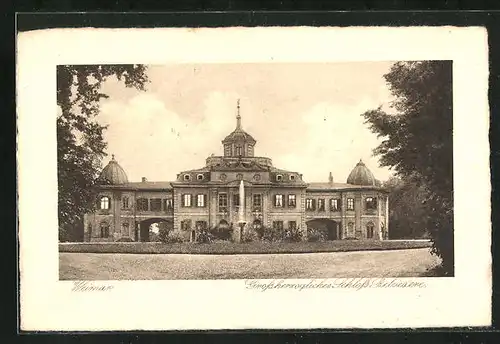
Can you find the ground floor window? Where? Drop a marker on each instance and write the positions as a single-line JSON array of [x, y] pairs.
[[292, 225], [278, 225], [186, 225], [125, 228], [369, 230], [104, 230]]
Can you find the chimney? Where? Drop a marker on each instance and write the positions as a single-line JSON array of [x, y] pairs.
[[330, 178], [144, 179]]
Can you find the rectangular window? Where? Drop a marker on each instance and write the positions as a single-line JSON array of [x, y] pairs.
[[200, 200], [278, 225], [222, 202], [186, 200], [292, 201], [321, 205], [292, 225], [125, 203], [278, 201], [257, 201], [125, 229], [335, 204], [369, 232], [238, 150], [104, 203], [169, 204], [155, 204], [371, 203], [142, 204], [227, 150], [236, 200], [350, 204], [186, 225], [104, 230], [310, 204]]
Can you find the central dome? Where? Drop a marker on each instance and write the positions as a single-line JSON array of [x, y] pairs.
[[361, 175], [239, 143], [113, 173]]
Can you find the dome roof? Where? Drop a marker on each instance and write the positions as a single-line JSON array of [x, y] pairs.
[[113, 173], [239, 135], [361, 175]]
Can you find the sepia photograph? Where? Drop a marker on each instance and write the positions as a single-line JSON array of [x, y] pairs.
[[234, 171], [249, 175]]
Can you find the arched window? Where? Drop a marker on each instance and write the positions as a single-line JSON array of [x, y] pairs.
[[104, 203], [223, 224], [104, 230], [125, 227], [369, 230]]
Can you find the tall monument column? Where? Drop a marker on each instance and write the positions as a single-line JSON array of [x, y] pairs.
[[241, 211]]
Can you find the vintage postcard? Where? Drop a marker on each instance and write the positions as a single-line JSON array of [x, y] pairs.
[[253, 178]]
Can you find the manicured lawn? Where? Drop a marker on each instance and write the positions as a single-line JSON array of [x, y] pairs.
[[391, 263], [243, 248]]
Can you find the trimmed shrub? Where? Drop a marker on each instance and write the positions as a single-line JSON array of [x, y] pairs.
[[272, 234], [163, 234], [250, 235], [225, 234], [204, 237], [174, 238], [258, 247], [315, 235], [293, 235]]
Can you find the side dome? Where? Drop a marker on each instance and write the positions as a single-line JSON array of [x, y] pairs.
[[361, 175], [113, 173]]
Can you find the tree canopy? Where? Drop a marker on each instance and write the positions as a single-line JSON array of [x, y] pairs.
[[418, 141], [80, 143]]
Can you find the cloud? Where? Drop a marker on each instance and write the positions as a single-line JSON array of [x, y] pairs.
[[306, 117]]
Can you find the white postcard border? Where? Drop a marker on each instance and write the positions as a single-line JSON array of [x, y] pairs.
[[49, 304]]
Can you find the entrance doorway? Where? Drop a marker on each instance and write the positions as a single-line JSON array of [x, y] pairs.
[[149, 229], [329, 229]]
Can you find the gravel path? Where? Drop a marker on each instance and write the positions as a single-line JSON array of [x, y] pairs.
[[96, 266]]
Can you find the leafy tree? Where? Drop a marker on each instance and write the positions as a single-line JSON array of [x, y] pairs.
[[80, 143], [418, 142], [406, 212]]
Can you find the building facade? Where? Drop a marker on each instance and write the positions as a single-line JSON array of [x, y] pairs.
[[209, 197]]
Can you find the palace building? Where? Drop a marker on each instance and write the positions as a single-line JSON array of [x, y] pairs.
[[238, 188]]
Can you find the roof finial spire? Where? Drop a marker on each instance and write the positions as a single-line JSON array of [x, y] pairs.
[[238, 117], [112, 157]]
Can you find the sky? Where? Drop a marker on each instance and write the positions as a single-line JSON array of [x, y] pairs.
[[306, 117]]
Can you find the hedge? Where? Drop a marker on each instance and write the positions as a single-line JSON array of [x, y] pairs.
[[242, 248]]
